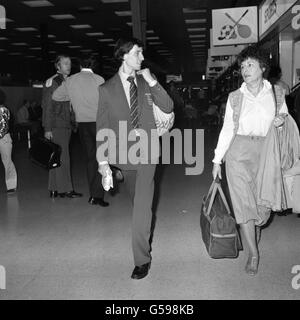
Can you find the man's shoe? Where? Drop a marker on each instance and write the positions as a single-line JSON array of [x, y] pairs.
[[98, 201], [11, 191], [140, 272], [53, 194], [70, 194]]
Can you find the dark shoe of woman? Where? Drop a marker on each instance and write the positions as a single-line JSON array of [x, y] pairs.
[[252, 265], [70, 194], [53, 194]]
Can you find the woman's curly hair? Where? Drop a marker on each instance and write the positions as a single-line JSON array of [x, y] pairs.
[[254, 52]]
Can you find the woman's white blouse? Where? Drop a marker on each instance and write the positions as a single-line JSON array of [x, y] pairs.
[[256, 116]]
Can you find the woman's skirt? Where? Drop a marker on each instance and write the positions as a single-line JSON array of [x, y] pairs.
[[242, 162]]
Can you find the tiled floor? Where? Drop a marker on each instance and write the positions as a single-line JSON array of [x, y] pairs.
[[68, 249]]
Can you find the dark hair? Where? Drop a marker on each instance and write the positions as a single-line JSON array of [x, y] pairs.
[[59, 58], [124, 45], [254, 52], [88, 61], [275, 72]]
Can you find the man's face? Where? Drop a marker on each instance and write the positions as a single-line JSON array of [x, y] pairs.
[[251, 70], [64, 66], [134, 58]]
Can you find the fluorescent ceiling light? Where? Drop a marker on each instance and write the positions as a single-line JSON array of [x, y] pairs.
[[95, 34], [62, 41], [35, 48], [195, 20], [25, 29], [196, 29], [197, 35], [86, 50], [123, 13], [50, 36], [155, 42], [9, 20], [1, 50], [74, 47], [19, 44], [38, 3], [15, 53], [129, 23], [152, 38], [198, 41], [198, 45], [188, 10], [111, 44], [30, 56], [80, 26], [3, 38], [62, 16], [150, 31], [113, 1], [106, 40]]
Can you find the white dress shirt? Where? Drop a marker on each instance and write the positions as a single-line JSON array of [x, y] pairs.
[[257, 114]]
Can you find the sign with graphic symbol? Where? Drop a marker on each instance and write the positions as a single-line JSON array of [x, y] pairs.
[[234, 26]]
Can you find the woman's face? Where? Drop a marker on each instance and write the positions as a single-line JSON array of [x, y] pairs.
[[251, 70]]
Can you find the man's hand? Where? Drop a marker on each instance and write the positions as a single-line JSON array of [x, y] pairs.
[[107, 180], [147, 75], [217, 171], [49, 81], [48, 135], [279, 120]]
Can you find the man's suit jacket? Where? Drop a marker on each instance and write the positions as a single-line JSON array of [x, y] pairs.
[[113, 108]]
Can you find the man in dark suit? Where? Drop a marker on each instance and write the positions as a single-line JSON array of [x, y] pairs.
[[125, 106]]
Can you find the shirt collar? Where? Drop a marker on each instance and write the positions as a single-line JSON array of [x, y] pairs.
[[266, 87], [87, 69], [124, 76]]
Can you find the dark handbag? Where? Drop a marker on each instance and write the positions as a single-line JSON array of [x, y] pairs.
[[218, 227], [45, 153]]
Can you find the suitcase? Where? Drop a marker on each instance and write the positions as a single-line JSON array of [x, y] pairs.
[[218, 226], [45, 153]]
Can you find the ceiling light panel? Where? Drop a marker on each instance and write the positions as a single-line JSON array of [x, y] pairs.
[[62, 42], [123, 13], [113, 1], [189, 21], [188, 10], [26, 29], [106, 40], [196, 29], [95, 34], [197, 36], [80, 26], [19, 44], [62, 16], [38, 3]]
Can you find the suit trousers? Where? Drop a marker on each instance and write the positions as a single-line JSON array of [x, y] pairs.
[[9, 167], [87, 133], [140, 185], [60, 178]]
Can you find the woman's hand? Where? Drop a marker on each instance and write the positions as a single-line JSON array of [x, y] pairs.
[[48, 135], [217, 171], [279, 120]]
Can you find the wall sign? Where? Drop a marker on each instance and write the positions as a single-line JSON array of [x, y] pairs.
[[270, 11], [234, 26]]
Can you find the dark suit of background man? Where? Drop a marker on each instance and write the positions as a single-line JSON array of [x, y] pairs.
[[82, 90], [57, 125], [117, 102]]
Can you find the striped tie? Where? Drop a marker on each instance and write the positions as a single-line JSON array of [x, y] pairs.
[[133, 103]]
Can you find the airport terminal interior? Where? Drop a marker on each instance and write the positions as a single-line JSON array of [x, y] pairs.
[[67, 248]]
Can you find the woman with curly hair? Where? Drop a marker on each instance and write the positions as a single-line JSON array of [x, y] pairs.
[[250, 111]]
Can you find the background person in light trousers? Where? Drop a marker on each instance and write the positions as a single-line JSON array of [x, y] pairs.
[[241, 139], [57, 125], [119, 97], [82, 90], [6, 149]]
